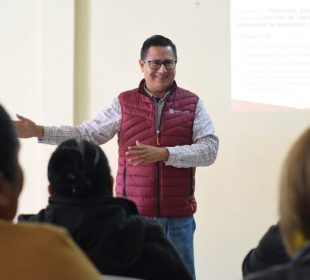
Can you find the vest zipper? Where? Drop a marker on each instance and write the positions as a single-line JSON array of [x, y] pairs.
[[158, 163], [158, 188], [157, 137]]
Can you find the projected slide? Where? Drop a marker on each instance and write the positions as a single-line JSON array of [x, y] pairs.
[[270, 54]]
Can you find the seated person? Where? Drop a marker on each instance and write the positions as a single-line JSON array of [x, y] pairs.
[[270, 251], [108, 229], [294, 215], [31, 251]]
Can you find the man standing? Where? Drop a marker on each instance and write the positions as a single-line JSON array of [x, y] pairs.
[[164, 132]]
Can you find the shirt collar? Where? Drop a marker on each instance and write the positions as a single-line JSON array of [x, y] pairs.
[[155, 97]]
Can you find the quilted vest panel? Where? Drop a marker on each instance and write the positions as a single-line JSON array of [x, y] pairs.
[[157, 189]]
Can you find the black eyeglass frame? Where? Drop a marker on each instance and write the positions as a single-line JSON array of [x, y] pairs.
[[156, 64]]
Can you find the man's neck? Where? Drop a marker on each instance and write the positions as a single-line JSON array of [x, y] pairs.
[[158, 96]]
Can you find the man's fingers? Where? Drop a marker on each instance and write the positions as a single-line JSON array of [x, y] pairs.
[[136, 148], [134, 152], [21, 118], [139, 160]]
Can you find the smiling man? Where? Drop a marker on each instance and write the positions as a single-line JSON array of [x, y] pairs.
[[164, 132]]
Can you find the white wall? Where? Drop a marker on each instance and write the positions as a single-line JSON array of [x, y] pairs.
[[237, 196], [36, 70]]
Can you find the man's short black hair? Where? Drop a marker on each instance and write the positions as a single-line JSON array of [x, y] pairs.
[[157, 41]]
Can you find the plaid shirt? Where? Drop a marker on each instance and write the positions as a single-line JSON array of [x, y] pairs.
[[102, 128]]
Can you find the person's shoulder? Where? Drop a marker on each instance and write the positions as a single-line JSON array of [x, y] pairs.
[[42, 231], [186, 92], [32, 230], [129, 91], [35, 239], [42, 251], [126, 204], [153, 229], [277, 272]]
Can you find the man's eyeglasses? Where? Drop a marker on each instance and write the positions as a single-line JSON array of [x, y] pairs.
[[156, 64]]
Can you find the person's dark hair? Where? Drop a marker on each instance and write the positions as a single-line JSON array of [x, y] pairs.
[[9, 146], [157, 41], [79, 168]]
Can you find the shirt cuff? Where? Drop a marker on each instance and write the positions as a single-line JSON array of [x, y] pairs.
[[172, 156], [46, 133]]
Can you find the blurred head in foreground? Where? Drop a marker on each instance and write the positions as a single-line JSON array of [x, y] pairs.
[[11, 175], [295, 195]]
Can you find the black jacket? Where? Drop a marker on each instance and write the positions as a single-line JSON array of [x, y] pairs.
[[115, 237], [269, 252], [298, 269]]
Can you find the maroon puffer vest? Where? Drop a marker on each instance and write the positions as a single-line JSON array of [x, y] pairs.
[[158, 190]]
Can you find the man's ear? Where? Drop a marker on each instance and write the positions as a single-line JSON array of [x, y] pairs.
[[141, 63]]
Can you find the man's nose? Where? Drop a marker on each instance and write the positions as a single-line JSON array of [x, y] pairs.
[[162, 68]]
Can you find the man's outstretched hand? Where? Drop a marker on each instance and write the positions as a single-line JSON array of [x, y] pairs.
[[27, 128]]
